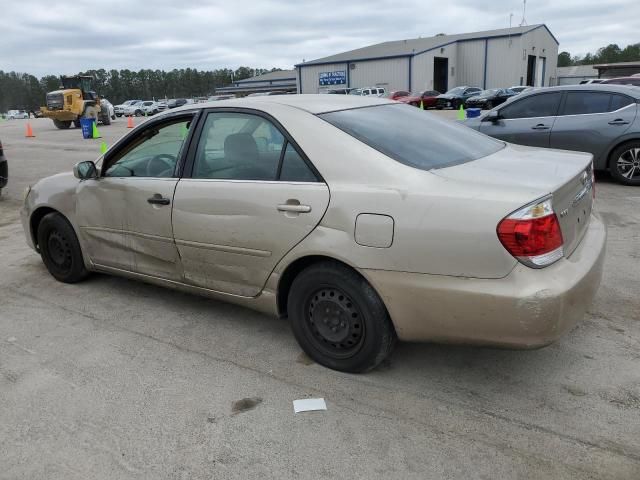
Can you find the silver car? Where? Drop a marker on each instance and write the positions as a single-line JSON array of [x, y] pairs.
[[362, 220], [599, 119]]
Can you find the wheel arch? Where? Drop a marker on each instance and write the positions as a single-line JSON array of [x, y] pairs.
[[619, 143], [35, 219], [288, 276]]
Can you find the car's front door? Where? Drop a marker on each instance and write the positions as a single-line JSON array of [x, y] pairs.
[[252, 196], [125, 214], [591, 121], [526, 121]]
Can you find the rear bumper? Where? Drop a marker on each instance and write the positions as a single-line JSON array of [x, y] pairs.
[[526, 309]]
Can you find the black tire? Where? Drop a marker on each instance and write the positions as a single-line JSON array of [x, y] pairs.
[[338, 318], [624, 163], [118, 115], [60, 249], [62, 124], [438, 107], [138, 113], [76, 123], [106, 119]]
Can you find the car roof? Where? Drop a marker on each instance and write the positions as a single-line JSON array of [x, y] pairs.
[[312, 103], [629, 90]]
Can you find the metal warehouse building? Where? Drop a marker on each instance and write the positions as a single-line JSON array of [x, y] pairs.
[[497, 58]]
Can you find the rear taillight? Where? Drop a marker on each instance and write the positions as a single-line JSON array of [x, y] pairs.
[[532, 234]]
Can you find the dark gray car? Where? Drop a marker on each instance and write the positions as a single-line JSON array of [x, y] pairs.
[[599, 119]]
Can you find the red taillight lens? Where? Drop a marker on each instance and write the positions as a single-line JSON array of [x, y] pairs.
[[533, 235]]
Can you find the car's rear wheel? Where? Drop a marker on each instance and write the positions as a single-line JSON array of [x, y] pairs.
[[625, 163], [60, 249], [338, 318]]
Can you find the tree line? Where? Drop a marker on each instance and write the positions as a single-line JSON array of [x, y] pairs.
[[612, 53], [25, 91]]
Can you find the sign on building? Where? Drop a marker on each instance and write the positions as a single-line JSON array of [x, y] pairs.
[[333, 78]]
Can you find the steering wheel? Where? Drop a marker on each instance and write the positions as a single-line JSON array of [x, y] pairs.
[[160, 165]]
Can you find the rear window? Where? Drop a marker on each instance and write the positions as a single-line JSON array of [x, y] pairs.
[[413, 137]]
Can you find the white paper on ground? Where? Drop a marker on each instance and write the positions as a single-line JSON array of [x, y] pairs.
[[309, 405]]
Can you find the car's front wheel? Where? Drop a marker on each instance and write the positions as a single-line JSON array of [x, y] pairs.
[[60, 249], [338, 318], [625, 163]]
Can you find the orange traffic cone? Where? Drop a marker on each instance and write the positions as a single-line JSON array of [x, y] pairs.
[[129, 122], [29, 133]]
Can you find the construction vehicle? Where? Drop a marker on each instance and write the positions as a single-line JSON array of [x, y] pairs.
[[75, 100]]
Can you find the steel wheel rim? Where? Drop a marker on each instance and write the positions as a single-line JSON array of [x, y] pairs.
[[628, 163], [59, 251], [334, 322]]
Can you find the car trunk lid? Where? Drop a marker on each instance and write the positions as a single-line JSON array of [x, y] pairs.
[[538, 172]]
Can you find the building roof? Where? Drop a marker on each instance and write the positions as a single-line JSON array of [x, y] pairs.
[[270, 77], [619, 64], [577, 71], [415, 46]]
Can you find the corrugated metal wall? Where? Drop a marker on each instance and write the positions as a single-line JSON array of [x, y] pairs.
[[392, 74], [504, 66], [422, 68], [470, 64], [310, 76]]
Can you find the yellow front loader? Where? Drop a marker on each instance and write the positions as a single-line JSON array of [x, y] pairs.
[[76, 99]]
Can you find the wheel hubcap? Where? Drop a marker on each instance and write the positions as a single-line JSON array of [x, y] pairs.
[[629, 163], [335, 322], [59, 250]]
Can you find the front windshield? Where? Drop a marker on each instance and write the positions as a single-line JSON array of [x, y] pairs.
[[456, 91]]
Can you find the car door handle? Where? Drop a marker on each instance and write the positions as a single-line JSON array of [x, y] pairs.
[[618, 121], [158, 199], [286, 207], [540, 126]]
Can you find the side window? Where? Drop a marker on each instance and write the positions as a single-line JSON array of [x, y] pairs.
[[583, 103], [619, 101], [238, 146], [153, 153], [542, 105], [294, 168]]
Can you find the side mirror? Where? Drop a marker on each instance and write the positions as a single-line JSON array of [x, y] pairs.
[[85, 170], [492, 116]]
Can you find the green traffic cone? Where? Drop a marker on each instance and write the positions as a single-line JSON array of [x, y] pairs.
[[421, 105], [184, 131], [461, 114], [96, 133], [103, 148]]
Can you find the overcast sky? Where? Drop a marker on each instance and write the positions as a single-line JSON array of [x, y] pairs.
[[49, 36]]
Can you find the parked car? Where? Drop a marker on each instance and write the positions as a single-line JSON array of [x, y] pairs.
[[591, 80], [396, 94], [217, 98], [17, 114], [487, 99], [144, 107], [177, 102], [339, 91], [518, 88], [600, 119], [119, 109], [375, 91], [111, 109], [360, 219], [634, 81], [456, 97], [428, 98], [4, 169]]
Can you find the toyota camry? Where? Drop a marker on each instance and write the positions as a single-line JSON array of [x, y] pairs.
[[361, 220]]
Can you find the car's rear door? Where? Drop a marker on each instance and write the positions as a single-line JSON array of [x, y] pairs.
[[590, 121], [248, 197], [526, 121]]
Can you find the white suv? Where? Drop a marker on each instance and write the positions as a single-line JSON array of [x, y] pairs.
[[375, 91], [146, 107], [14, 114]]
